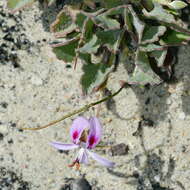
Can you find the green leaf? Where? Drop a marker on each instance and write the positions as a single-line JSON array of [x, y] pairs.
[[80, 19], [88, 29], [159, 57], [111, 3], [137, 23], [162, 15], [150, 47], [111, 39], [50, 2], [91, 46], [107, 22], [96, 74], [18, 4], [143, 73], [173, 37], [152, 34], [66, 51], [177, 4], [63, 24]]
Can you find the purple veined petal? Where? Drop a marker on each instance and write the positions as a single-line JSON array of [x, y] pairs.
[[94, 133], [82, 156], [101, 160], [61, 146], [78, 126]]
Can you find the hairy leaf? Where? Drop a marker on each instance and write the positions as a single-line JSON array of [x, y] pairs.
[[159, 57], [107, 22], [111, 3], [138, 24], [64, 24], [152, 34], [150, 47], [111, 39], [66, 51], [162, 15], [96, 74], [91, 46], [177, 4], [143, 73], [175, 38]]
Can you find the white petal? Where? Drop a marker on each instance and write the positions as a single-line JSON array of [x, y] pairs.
[[62, 146], [82, 156], [100, 159]]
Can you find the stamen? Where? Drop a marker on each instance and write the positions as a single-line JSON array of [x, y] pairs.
[[71, 165], [75, 163]]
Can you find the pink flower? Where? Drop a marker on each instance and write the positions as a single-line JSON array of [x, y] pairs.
[[85, 135]]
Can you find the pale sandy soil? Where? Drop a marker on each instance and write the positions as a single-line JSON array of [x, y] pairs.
[[41, 89]]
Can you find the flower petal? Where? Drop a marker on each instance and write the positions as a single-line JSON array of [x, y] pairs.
[[62, 146], [78, 126], [95, 132], [82, 156], [101, 160]]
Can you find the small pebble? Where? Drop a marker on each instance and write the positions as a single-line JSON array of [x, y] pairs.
[[80, 184], [4, 104], [3, 129], [182, 116], [1, 136], [119, 149]]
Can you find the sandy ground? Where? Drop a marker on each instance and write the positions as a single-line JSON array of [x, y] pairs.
[[36, 88]]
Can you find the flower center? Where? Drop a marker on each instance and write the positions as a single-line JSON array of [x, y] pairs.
[[84, 135]]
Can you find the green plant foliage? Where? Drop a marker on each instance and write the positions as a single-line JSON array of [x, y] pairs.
[[18, 4], [173, 37], [102, 33], [66, 51], [152, 34], [143, 73], [96, 74]]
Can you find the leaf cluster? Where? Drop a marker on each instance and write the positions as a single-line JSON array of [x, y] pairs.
[[103, 34]]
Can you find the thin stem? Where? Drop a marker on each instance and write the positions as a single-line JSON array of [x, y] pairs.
[[83, 109]]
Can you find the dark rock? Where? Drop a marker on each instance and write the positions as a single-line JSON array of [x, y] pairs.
[[13, 38], [4, 104], [9, 37], [13, 124], [119, 149], [10, 141], [76, 184], [154, 167], [64, 151], [1, 136], [68, 66], [147, 122], [80, 184], [10, 179]]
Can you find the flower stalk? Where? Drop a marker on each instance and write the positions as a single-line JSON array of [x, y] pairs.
[[83, 109]]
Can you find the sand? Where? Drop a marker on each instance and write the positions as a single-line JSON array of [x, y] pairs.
[[36, 88]]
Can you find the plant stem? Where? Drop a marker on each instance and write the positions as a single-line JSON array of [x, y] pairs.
[[83, 109]]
